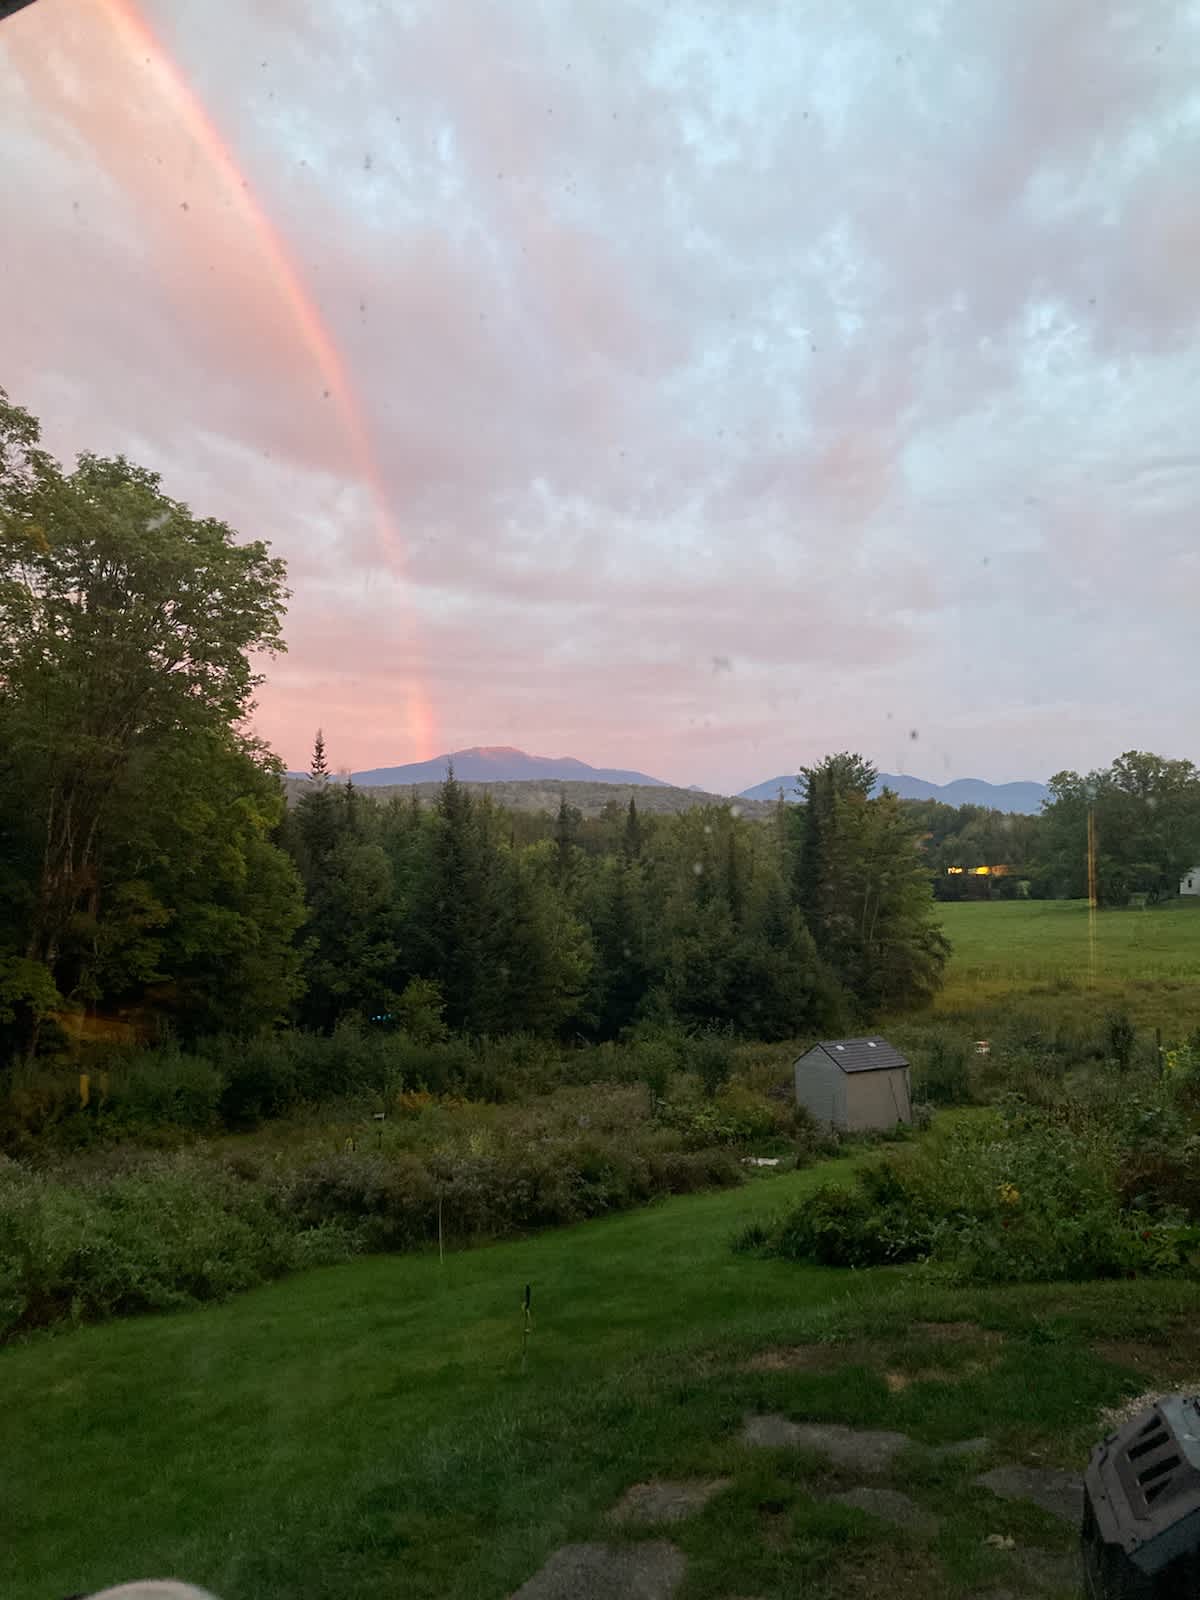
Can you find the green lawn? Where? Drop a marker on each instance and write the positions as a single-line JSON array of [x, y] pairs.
[[368, 1431], [1147, 961]]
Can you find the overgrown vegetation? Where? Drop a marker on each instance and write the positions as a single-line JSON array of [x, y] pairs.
[[1086, 1178], [143, 1202]]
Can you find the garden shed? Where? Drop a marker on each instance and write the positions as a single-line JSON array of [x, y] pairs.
[[855, 1084]]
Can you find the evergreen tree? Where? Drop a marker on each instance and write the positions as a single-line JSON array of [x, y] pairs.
[[566, 835], [316, 824], [631, 841]]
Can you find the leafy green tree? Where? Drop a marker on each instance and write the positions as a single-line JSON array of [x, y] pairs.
[[203, 905], [126, 625], [890, 951], [1147, 826], [817, 889], [863, 889]]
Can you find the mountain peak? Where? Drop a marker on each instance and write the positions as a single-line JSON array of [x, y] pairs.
[[502, 763], [1025, 798]]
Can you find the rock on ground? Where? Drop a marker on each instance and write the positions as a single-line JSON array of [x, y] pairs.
[[870, 1451], [665, 1500], [890, 1506], [1059, 1493], [649, 1571]]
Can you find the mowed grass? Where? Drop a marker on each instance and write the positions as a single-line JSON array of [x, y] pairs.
[[1146, 961], [372, 1430]]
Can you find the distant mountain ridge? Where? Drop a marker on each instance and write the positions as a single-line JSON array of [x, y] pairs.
[[1026, 798], [503, 764]]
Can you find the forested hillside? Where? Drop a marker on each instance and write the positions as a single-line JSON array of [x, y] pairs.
[[150, 869]]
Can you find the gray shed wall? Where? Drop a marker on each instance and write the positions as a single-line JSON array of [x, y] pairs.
[[877, 1100], [821, 1086]]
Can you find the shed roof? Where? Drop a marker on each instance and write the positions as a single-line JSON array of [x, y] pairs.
[[860, 1055]]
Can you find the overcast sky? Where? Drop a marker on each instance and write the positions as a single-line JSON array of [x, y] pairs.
[[690, 387]]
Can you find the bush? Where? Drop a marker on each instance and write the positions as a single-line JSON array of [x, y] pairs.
[[735, 1116], [1121, 1038], [169, 1086], [942, 1078], [170, 1234], [384, 1202], [686, 1171], [260, 1078], [710, 1055], [1024, 1197], [40, 1099]]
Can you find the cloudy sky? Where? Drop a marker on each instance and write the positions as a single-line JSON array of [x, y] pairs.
[[682, 386]]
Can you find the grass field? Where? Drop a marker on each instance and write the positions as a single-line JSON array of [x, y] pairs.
[[1006, 952], [369, 1430]]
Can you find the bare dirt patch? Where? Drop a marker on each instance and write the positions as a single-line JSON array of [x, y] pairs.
[[955, 1333], [1176, 1362], [810, 1358]]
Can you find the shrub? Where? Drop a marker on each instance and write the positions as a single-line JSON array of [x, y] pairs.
[[710, 1055], [735, 1116], [1121, 1038], [1025, 1197], [419, 1012], [259, 1077], [386, 1202], [942, 1078], [169, 1234], [38, 1101], [166, 1086], [686, 1171]]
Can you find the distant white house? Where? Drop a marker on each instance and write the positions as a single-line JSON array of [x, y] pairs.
[[1190, 882]]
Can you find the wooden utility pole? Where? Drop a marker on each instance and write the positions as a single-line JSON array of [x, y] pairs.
[[1093, 899], [1093, 896]]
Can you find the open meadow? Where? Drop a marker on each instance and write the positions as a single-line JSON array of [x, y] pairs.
[[1050, 955]]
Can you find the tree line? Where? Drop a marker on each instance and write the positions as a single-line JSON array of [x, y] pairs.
[[148, 860], [1145, 812]]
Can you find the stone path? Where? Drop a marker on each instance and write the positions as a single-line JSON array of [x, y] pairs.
[[649, 1571], [1059, 1493], [869, 1450], [961, 1447], [654, 1569], [890, 1506], [666, 1500]]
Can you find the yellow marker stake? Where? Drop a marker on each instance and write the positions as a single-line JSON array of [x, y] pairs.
[[85, 1089]]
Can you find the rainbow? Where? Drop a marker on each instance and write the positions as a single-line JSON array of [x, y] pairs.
[[138, 38]]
